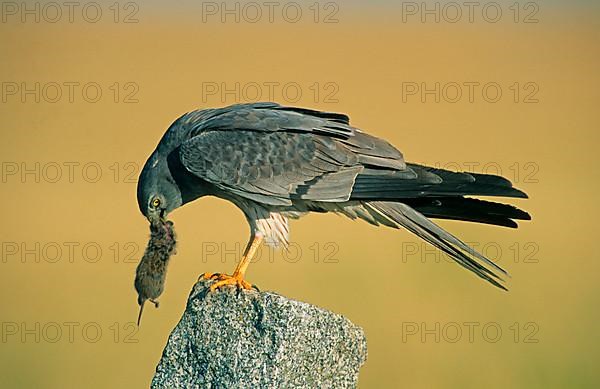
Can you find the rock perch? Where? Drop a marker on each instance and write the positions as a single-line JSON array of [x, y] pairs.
[[248, 339]]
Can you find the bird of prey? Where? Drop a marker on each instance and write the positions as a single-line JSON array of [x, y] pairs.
[[278, 163]]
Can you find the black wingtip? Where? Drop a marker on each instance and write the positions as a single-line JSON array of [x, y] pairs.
[[520, 194]]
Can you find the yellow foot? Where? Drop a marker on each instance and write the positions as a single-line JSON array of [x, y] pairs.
[[224, 279]]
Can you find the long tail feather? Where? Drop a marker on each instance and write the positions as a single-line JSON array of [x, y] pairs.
[[403, 215]]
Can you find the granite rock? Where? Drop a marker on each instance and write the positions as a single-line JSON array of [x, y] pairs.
[[251, 339]]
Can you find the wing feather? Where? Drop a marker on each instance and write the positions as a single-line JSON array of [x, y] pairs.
[[275, 155]]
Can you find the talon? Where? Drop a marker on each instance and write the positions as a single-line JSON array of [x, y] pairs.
[[154, 302], [236, 280]]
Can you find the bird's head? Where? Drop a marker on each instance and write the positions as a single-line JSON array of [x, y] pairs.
[[157, 192]]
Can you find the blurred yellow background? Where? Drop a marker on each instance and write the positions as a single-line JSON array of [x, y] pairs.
[[72, 233]]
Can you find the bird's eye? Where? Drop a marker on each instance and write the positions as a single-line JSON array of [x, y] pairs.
[[156, 203]]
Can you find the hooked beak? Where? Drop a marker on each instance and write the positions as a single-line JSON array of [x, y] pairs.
[[157, 216]]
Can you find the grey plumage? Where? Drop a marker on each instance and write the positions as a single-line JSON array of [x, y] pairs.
[[277, 162]]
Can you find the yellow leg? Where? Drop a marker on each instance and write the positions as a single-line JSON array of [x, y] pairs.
[[237, 278]]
